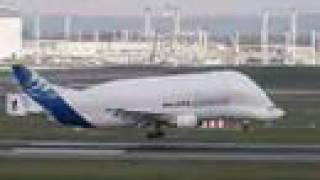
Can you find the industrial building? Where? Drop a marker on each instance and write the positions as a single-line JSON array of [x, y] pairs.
[[161, 40], [10, 32], [171, 45]]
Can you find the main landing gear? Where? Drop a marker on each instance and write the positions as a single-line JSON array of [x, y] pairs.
[[246, 126], [156, 132]]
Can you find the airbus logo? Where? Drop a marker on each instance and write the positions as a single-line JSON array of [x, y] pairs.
[[40, 88]]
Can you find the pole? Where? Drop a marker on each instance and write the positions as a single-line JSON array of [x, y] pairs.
[[265, 37], [294, 34], [314, 44], [67, 27], [147, 22], [37, 35]]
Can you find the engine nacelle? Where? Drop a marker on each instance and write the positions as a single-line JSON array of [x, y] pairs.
[[187, 121]]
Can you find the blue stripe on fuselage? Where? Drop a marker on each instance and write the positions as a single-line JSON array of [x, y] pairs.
[[41, 92]]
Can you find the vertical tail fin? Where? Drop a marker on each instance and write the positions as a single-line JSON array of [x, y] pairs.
[[31, 83], [26, 77], [47, 96]]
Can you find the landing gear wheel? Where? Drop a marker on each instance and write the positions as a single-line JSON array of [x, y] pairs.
[[155, 135], [156, 132], [246, 126]]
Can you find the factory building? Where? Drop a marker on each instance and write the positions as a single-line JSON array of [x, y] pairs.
[[171, 45], [10, 32], [163, 37]]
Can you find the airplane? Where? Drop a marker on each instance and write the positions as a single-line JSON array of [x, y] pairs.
[[181, 101]]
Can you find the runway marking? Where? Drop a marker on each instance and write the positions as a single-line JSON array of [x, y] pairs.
[[72, 152], [147, 156], [161, 151]]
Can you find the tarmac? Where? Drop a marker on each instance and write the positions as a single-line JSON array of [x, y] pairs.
[[154, 151]]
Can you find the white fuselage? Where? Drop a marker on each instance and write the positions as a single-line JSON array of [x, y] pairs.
[[208, 95]]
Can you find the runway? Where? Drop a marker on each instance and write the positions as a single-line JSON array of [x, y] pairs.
[[161, 151]]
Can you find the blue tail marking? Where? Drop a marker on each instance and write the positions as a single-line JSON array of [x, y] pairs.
[[43, 93]]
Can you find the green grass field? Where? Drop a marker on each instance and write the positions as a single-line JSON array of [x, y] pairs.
[[160, 170], [40, 129]]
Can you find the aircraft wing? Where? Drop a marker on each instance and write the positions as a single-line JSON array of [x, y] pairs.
[[139, 118]]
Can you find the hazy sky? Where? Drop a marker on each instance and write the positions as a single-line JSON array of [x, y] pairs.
[[134, 7]]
